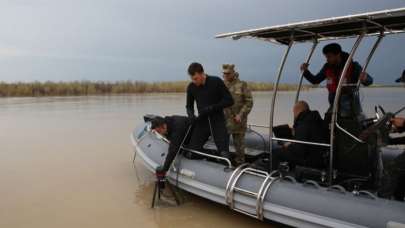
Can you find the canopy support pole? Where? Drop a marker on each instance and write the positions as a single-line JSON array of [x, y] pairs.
[[273, 102], [336, 104], [370, 55], [311, 52]]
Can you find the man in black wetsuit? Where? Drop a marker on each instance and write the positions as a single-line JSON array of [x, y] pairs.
[[174, 128], [211, 96]]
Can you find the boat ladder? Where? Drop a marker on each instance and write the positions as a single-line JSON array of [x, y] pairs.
[[232, 187]]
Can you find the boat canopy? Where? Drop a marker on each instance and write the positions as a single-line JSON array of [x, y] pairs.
[[372, 23]]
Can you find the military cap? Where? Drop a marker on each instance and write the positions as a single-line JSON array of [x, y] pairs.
[[228, 68]]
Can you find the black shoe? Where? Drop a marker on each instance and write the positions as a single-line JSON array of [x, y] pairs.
[[159, 169], [226, 154], [188, 155]]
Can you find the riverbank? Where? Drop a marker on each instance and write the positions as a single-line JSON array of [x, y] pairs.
[[83, 88]]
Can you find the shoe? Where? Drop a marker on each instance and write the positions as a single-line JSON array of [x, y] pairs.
[[226, 154]]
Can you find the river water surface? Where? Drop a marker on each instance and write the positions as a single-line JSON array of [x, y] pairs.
[[67, 161]]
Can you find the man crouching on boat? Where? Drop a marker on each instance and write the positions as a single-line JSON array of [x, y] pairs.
[[174, 128]]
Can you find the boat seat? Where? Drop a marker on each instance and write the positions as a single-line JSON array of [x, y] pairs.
[[352, 157]]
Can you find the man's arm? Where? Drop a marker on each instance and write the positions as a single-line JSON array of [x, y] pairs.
[[177, 134], [314, 79], [365, 78], [190, 102], [248, 101], [301, 133]]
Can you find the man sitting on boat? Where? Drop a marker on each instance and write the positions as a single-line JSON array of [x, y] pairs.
[[308, 127], [174, 128], [211, 96], [331, 71]]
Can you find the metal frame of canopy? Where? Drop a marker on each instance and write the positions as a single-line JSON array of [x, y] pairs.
[[378, 23]]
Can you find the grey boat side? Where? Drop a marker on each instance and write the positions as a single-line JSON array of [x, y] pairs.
[[287, 202]]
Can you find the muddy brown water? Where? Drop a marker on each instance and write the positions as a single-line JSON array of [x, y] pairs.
[[67, 161]]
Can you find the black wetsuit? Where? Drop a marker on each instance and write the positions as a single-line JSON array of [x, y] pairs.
[[211, 99], [177, 127]]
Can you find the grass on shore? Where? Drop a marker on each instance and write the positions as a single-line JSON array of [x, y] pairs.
[[84, 88]]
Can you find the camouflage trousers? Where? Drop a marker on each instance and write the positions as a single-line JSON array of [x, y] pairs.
[[239, 144]]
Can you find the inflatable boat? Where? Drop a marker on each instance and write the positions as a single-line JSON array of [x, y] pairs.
[[341, 194]]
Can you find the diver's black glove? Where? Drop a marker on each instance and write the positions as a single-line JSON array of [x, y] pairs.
[[191, 117], [206, 111]]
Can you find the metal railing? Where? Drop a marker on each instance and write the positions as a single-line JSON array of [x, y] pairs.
[[336, 103], [301, 142], [273, 100], [349, 134], [208, 155], [311, 52]]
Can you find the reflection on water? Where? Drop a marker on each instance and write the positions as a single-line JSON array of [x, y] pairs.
[[66, 161]]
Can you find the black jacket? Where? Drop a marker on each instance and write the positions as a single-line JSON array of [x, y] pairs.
[[309, 127], [177, 127], [213, 94]]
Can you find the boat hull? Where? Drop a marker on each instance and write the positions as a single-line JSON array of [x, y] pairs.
[[285, 201]]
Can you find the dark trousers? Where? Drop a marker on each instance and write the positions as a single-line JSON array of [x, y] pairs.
[[399, 193], [202, 131], [280, 155], [392, 183]]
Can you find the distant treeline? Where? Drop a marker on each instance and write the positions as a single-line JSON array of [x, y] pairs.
[[83, 88]]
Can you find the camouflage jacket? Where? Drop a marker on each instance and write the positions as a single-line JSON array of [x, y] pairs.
[[243, 103]]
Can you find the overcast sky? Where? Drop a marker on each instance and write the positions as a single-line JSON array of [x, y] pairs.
[[64, 40]]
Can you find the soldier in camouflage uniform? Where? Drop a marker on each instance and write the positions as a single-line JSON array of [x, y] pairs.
[[236, 115]]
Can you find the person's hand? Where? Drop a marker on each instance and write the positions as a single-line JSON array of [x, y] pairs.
[[304, 67], [285, 146], [192, 119], [160, 172], [237, 118], [363, 76], [398, 122]]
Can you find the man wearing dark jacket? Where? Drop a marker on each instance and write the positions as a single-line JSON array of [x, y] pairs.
[[332, 70], [211, 96], [174, 128], [309, 127]]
